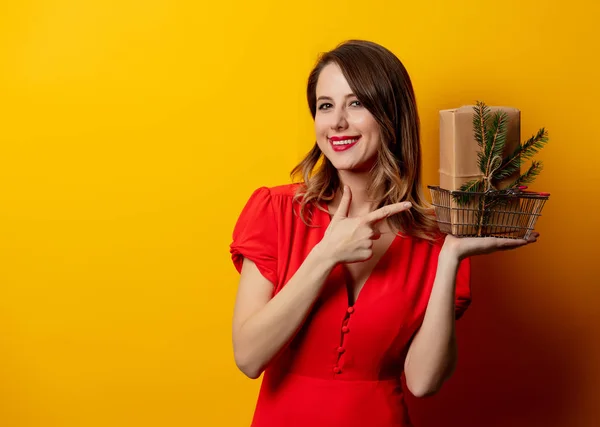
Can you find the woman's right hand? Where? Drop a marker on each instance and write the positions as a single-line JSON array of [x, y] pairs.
[[349, 240]]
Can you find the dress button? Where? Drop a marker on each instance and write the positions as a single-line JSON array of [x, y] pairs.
[[337, 370], [341, 350], [350, 310], [345, 329]]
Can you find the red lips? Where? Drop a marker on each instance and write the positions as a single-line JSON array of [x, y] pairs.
[[343, 147], [342, 138]]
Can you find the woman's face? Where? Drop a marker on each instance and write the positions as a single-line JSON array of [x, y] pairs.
[[346, 132]]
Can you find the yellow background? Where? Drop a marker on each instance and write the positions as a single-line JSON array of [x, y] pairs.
[[132, 132]]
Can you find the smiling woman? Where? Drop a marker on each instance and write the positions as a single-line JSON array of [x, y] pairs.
[[346, 283], [361, 91]]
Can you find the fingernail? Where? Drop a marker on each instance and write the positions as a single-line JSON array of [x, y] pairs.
[[407, 204]]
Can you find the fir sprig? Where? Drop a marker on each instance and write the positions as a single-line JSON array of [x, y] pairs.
[[490, 131], [496, 141], [530, 148], [480, 123], [529, 176]]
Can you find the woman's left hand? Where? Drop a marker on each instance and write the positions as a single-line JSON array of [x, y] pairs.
[[463, 247]]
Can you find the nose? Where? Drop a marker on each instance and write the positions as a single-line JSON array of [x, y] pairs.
[[339, 119]]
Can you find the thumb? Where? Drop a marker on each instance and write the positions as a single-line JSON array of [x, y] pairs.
[[344, 207]]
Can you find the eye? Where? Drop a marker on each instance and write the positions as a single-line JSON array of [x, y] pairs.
[[356, 103], [325, 106]]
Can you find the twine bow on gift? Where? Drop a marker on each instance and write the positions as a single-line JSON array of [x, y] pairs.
[[491, 171]]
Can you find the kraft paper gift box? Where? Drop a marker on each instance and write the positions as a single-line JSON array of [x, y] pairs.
[[458, 165]]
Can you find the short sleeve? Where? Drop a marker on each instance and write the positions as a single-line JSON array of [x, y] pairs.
[[463, 288], [255, 235]]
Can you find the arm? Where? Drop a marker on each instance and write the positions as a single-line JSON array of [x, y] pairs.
[[262, 326], [432, 356]]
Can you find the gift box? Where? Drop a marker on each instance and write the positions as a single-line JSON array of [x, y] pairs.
[[459, 165], [458, 147]]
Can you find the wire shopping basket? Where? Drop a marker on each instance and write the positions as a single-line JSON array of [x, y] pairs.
[[510, 213]]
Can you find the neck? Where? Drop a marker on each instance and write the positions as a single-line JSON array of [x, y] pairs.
[[358, 183]]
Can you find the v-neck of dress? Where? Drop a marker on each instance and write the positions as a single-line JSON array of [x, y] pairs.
[[388, 250]]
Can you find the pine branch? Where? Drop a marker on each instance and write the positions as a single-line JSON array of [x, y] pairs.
[[495, 142], [497, 133], [534, 144], [482, 160], [530, 148], [529, 176], [480, 121], [509, 168]]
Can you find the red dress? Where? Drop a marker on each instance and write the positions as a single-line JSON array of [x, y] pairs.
[[344, 366]]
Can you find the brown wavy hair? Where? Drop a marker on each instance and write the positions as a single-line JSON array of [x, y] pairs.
[[383, 86]]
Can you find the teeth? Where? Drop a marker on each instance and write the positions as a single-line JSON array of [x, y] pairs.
[[345, 142]]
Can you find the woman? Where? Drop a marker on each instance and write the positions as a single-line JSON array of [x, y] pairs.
[[345, 281]]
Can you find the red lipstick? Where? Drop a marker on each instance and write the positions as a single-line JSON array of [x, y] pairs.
[[343, 142]]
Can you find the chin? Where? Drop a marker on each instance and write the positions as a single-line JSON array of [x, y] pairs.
[[350, 168], [350, 163]]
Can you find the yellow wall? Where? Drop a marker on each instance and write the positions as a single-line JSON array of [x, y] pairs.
[[132, 133]]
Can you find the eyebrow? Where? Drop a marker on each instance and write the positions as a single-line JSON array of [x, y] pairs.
[[328, 98]]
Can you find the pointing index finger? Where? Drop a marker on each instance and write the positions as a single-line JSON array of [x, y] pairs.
[[386, 211]]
